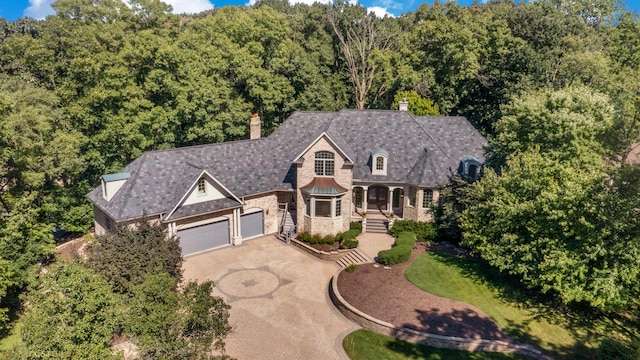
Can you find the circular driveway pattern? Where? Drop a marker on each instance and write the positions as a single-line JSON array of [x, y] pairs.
[[280, 307], [261, 282]]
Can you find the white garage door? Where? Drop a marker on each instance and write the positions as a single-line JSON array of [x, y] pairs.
[[204, 237], [252, 224]]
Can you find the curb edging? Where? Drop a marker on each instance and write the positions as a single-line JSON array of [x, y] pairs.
[[419, 337]]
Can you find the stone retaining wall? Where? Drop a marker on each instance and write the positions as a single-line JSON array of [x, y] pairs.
[[323, 255], [419, 337]]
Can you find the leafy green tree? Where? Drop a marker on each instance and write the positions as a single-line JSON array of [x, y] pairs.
[[168, 325], [418, 105], [567, 125], [125, 257], [559, 228], [72, 314], [6, 281]]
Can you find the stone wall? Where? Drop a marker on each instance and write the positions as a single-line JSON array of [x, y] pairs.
[[100, 221]]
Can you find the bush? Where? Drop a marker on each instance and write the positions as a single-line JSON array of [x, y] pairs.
[[350, 235], [351, 268], [125, 257], [349, 244], [424, 231], [401, 251], [356, 225], [316, 239]]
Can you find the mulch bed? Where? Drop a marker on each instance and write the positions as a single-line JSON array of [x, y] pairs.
[[388, 296], [325, 247]]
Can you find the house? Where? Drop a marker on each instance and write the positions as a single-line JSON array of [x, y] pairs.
[[316, 173]]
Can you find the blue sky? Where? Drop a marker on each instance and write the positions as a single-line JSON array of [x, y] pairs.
[[39, 9]]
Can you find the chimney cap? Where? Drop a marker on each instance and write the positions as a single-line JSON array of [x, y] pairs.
[[255, 116], [403, 105]]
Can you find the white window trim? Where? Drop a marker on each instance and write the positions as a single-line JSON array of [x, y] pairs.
[[374, 165], [424, 197], [312, 203], [324, 163]]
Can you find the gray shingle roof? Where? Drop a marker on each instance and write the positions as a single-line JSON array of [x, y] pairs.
[[422, 151]]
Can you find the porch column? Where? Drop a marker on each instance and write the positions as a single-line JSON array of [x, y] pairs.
[[390, 201], [364, 199]]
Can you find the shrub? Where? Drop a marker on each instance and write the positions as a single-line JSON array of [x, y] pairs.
[[316, 239], [401, 251], [351, 268], [349, 244], [424, 231], [125, 257], [356, 225], [350, 235]]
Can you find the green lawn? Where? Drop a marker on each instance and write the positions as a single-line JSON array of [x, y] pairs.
[[364, 344], [560, 332], [12, 338]]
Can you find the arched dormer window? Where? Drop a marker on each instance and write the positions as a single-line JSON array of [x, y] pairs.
[[325, 163], [379, 158], [469, 168]]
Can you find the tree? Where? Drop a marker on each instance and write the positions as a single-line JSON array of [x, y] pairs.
[[567, 125], [363, 39], [72, 314], [559, 228], [169, 325], [125, 257], [418, 105]]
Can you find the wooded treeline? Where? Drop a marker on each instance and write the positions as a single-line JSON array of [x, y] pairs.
[[88, 90]]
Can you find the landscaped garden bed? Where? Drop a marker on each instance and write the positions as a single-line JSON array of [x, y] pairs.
[[330, 247]]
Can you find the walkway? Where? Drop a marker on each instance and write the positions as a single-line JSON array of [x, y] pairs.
[[372, 243], [279, 298]]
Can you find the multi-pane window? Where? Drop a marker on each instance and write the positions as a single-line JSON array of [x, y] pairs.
[[427, 198], [380, 163], [412, 196], [308, 207], [324, 165], [202, 187], [338, 207], [359, 194]]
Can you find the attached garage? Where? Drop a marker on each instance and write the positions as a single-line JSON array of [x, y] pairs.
[[252, 224], [204, 237]]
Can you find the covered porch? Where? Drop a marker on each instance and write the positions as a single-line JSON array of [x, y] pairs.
[[378, 199]]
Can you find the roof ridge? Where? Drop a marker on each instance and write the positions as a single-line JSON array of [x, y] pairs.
[[131, 180], [429, 135]]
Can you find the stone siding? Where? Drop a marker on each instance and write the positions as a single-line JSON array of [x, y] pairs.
[[343, 175]]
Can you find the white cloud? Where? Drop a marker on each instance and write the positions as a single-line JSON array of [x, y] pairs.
[[189, 6], [39, 9], [379, 11]]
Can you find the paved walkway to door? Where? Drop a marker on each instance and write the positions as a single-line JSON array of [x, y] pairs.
[[280, 303]]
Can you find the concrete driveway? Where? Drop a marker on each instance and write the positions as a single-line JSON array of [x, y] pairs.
[[280, 307]]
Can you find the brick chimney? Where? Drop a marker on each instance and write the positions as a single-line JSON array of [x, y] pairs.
[[403, 105], [254, 127]]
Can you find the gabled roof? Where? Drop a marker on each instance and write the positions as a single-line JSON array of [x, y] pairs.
[[159, 179], [332, 142]]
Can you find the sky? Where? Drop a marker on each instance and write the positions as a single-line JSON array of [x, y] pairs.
[[39, 9]]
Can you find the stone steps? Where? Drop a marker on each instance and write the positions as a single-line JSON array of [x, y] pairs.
[[353, 257], [377, 226]]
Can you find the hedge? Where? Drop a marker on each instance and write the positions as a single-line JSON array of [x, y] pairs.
[[424, 231], [401, 251]]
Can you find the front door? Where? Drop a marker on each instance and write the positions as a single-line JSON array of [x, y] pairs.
[[377, 198]]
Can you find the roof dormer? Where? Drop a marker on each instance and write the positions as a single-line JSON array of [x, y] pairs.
[[469, 168], [379, 162], [111, 183]]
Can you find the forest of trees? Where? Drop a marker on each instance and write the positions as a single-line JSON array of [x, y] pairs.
[[553, 84]]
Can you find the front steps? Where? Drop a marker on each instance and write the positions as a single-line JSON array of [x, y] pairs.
[[353, 257], [377, 225]]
